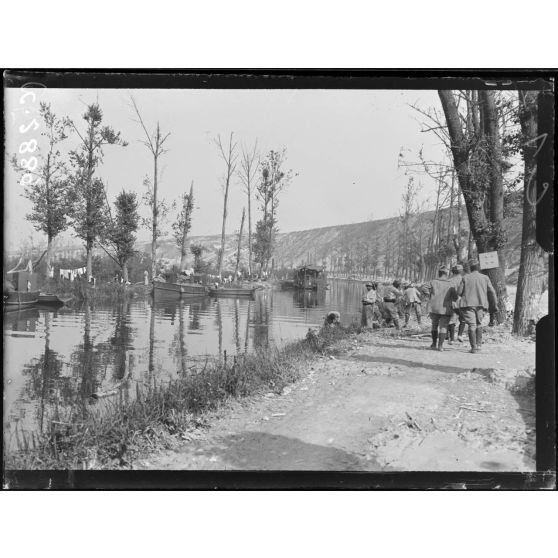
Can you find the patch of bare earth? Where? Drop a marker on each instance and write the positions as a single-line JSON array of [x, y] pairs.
[[383, 403]]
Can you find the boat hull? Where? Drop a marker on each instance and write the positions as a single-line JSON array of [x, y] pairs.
[[179, 289], [20, 299]]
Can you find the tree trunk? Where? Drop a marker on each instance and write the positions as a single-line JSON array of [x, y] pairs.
[[125, 273], [89, 264], [239, 245], [225, 201], [531, 267], [48, 257], [249, 232], [155, 212]]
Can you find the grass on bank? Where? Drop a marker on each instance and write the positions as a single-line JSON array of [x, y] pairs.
[[86, 436]]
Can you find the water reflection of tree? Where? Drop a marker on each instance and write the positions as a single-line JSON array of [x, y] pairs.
[[236, 317], [45, 381], [261, 322], [219, 320], [196, 310], [247, 335], [151, 362], [115, 350], [86, 362]]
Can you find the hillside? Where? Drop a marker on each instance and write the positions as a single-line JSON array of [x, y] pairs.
[[318, 245]]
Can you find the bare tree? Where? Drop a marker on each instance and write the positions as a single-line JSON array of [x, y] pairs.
[[229, 156], [249, 167], [154, 142]]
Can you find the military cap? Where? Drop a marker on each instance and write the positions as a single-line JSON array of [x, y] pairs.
[[443, 269], [457, 267], [369, 284]]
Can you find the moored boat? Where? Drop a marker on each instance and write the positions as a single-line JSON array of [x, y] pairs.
[[310, 277], [180, 289]]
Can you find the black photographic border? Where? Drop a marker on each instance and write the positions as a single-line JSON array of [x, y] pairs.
[[542, 80]]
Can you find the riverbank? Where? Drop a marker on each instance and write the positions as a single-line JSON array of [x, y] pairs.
[[107, 431], [381, 402], [338, 400], [81, 290]]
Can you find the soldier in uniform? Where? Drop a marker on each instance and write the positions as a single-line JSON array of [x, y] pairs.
[[456, 278], [412, 300], [391, 295], [477, 296], [442, 294], [369, 308]]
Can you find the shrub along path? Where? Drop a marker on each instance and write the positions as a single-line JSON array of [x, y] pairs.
[[381, 402]]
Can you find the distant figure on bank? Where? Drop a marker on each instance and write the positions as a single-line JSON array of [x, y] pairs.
[[332, 319], [391, 295], [145, 277], [369, 300], [477, 296], [412, 301], [442, 294], [456, 317]]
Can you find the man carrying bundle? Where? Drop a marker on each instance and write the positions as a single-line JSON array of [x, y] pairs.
[[477, 296], [442, 294]]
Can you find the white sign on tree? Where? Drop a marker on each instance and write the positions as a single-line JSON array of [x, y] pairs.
[[488, 260]]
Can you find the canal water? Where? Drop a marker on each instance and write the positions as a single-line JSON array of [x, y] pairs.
[[56, 358]]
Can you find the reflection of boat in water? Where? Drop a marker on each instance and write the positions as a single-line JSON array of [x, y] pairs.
[[54, 300], [309, 298], [233, 291], [21, 320], [178, 289]]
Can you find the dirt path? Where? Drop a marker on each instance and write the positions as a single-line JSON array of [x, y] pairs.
[[384, 403]]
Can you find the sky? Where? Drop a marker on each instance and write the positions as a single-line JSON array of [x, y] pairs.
[[343, 145]]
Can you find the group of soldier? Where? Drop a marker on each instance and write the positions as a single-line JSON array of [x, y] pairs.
[[458, 299]]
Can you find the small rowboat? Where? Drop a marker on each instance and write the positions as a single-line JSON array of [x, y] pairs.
[[233, 291], [187, 289], [20, 299], [54, 300]]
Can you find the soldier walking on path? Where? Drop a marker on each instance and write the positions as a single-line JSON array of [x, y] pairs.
[[477, 296], [412, 300], [456, 278], [442, 295], [391, 294]]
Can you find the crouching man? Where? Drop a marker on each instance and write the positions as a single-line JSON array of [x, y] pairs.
[[442, 294], [332, 319]]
